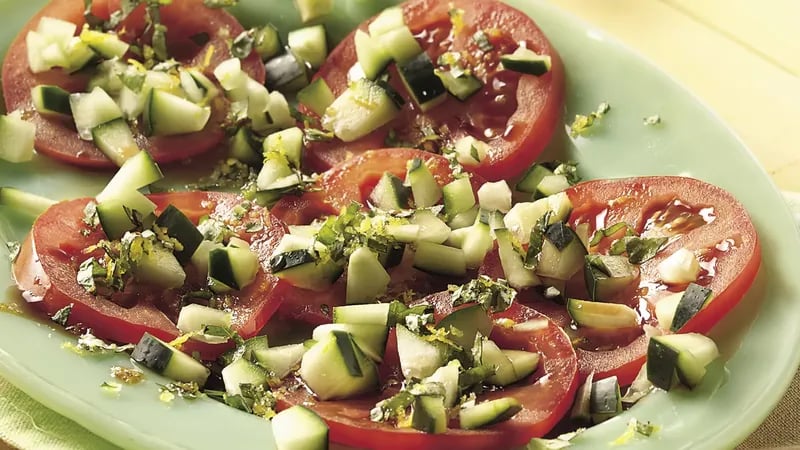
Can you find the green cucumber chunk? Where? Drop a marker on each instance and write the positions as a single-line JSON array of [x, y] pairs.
[[166, 360], [242, 371], [299, 428], [488, 413], [115, 140], [418, 358], [280, 360], [366, 277], [336, 368]]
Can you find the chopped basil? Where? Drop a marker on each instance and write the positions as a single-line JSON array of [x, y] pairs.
[[254, 399], [13, 250], [112, 387], [229, 174], [609, 231], [90, 218], [493, 295], [475, 376], [582, 123], [189, 391], [537, 240], [317, 135], [62, 315], [399, 312], [90, 344], [642, 249], [397, 408], [225, 332], [570, 170]]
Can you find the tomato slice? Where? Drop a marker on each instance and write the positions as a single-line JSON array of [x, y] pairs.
[[353, 181], [47, 265], [516, 114], [694, 215], [545, 396], [184, 18]]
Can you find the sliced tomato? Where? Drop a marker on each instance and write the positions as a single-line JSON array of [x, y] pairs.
[[516, 114], [184, 19], [353, 181], [47, 265], [545, 396]]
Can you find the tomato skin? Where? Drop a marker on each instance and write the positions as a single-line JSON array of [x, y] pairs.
[[544, 403], [515, 145], [46, 269], [58, 139]]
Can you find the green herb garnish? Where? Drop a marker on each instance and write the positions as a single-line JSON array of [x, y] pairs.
[[493, 295], [62, 315]]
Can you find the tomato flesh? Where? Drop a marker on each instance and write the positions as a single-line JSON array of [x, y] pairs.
[[545, 396], [516, 114], [46, 271], [58, 139]]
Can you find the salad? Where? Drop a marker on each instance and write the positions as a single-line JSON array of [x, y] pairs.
[[508, 296]]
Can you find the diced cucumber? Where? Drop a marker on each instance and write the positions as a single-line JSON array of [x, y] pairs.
[[232, 266], [495, 196], [267, 42], [106, 45], [371, 339], [522, 217], [310, 44], [366, 277], [488, 413], [24, 202], [563, 253], [286, 72], [665, 310], [421, 81], [684, 355], [532, 177], [458, 196], [432, 228], [372, 56], [242, 371], [470, 151], [680, 267], [401, 44], [335, 367], [428, 414], [245, 147], [418, 358], [289, 143], [524, 363], [550, 185], [447, 375], [582, 407], [178, 226], [492, 356], [367, 314], [159, 267], [602, 315], [518, 276], [167, 114], [193, 318], [280, 360], [162, 358], [608, 275], [313, 9], [405, 233], [468, 322], [115, 140], [390, 193], [461, 86], [424, 187], [17, 137], [387, 20], [694, 298], [200, 256], [273, 170], [605, 400], [476, 243], [362, 108], [440, 259], [246, 350], [317, 96], [304, 270], [526, 61], [279, 112], [92, 109], [299, 428], [115, 213], [51, 100]]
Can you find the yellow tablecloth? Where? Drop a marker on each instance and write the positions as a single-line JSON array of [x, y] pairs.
[[740, 57]]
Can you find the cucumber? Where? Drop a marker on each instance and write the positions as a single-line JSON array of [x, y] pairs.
[[421, 81], [468, 322], [492, 356], [137, 172], [234, 267], [602, 315], [524, 363], [428, 414], [608, 275], [488, 413], [194, 318], [286, 72], [25, 202], [440, 259], [160, 268], [389, 194], [431, 227], [461, 85], [401, 44], [476, 243], [299, 428], [115, 213], [495, 196], [178, 226], [310, 44], [281, 360], [317, 96], [267, 42], [304, 270], [425, 189], [532, 177], [470, 151], [514, 270], [366, 278], [447, 375], [362, 108], [313, 9], [694, 298], [551, 185], [524, 60], [681, 356], [289, 143], [246, 350], [199, 258], [17, 136], [336, 368], [166, 360], [92, 109], [371, 339], [51, 100], [563, 253], [419, 358], [605, 400], [387, 20], [582, 408], [106, 45], [167, 114], [242, 371], [680, 267], [458, 196], [115, 140], [372, 56], [367, 314]]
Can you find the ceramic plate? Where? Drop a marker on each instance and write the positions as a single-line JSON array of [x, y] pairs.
[[758, 338]]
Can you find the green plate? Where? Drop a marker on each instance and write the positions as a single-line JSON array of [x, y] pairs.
[[759, 337]]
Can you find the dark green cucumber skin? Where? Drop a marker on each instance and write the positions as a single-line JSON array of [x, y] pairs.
[[284, 71], [393, 256], [605, 399], [599, 282], [400, 192], [530, 181], [57, 100], [181, 228], [287, 260], [474, 317], [692, 301], [421, 79], [223, 272], [152, 353], [661, 363], [560, 235], [422, 419], [345, 344]]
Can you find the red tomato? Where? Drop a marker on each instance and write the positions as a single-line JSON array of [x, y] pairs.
[[545, 396], [516, 114], [47, 266], [353, 181], [183, 18], [695, 215]]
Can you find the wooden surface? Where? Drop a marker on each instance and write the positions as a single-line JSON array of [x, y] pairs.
[[741, 57]]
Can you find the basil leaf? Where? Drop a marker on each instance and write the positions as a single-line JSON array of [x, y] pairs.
[[642, 249]]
